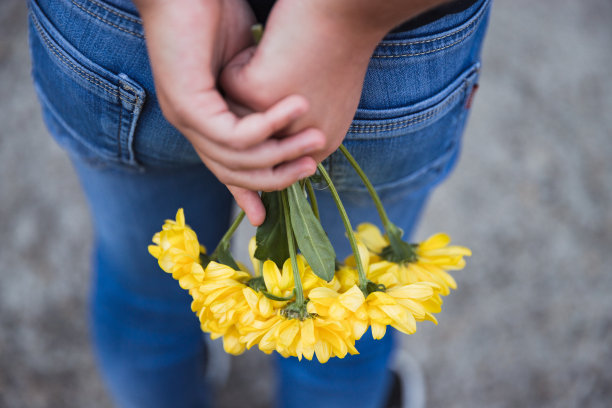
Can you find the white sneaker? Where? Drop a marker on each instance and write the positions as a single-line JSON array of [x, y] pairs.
[[408, 389]]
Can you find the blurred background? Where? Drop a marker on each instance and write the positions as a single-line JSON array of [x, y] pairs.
[[531, 322]]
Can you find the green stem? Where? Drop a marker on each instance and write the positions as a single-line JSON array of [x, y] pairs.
[[400, 248], [278, 298], [225, 241], [379, 206], [313, 199], [257, 32], [363, 281], [299, 291]]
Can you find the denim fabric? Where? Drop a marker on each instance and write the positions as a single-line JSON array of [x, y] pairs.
[[93, 79]]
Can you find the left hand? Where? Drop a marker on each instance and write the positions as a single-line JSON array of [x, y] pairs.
[[189, 42]]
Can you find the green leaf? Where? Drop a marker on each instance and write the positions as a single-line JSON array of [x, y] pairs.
[[271, 236], [310, 236], [223, 255]]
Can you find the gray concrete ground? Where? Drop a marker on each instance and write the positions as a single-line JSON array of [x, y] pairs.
[[531, 323]]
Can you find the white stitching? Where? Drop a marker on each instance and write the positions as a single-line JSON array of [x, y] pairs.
[[75, 68], [428, 51], [407, 122], [106, 21], [459, 30], [110, 10]]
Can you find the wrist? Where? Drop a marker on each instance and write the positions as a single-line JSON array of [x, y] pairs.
[[181, 34], [297, 29], [366, 20], [351, 28]]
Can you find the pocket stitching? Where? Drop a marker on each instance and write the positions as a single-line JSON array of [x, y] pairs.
[[72, 66], [411, 121], [110, 10], [119, 127], [457, 31], [416, 54], [135, 34]]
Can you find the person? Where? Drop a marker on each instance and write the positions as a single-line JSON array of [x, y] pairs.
[[162, 105]]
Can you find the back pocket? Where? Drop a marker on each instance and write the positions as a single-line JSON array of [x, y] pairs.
[[407, 148], [90, 111]]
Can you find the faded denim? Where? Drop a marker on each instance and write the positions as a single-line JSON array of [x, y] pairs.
[[94, 82]]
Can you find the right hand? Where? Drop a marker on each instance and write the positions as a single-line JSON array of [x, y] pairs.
[[189, 42]]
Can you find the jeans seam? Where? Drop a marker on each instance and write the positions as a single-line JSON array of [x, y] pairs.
[[457, 31], [465, 31], [75, 68], [416, 54], [135, 34], [126, 136], [110, 10], [408, 122], [119, 127]]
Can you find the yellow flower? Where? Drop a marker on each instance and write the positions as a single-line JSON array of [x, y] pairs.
[[308, 337], [253, 332], [337, 313], [347, 277], [280, 283], [370, 236], [258, 318], [344, 308], [232, 343], [218, 300], [176, 247], [433, 258], [420, 299], [435, 250], [311, 281], [399, 307]]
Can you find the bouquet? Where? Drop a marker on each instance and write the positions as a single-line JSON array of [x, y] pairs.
[[300, 300]]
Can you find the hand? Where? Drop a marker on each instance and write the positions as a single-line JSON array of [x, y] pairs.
[[319, 49], [189, 41], [293, 59]]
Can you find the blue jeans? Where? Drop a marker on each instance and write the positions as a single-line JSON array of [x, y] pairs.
[[92, 75]]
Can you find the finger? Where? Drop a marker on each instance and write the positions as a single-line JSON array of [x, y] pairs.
[[232, 78], [237, 108], [270, 179], [251, 204], [259, 126], [269, 153], [214, 121]]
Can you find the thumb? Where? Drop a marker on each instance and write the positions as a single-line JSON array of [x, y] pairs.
[[232, 79]]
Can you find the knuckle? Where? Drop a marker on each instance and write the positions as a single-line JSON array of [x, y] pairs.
[[175, 113], [223, 177], [237, 165], [236, 143], [275, 185]]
